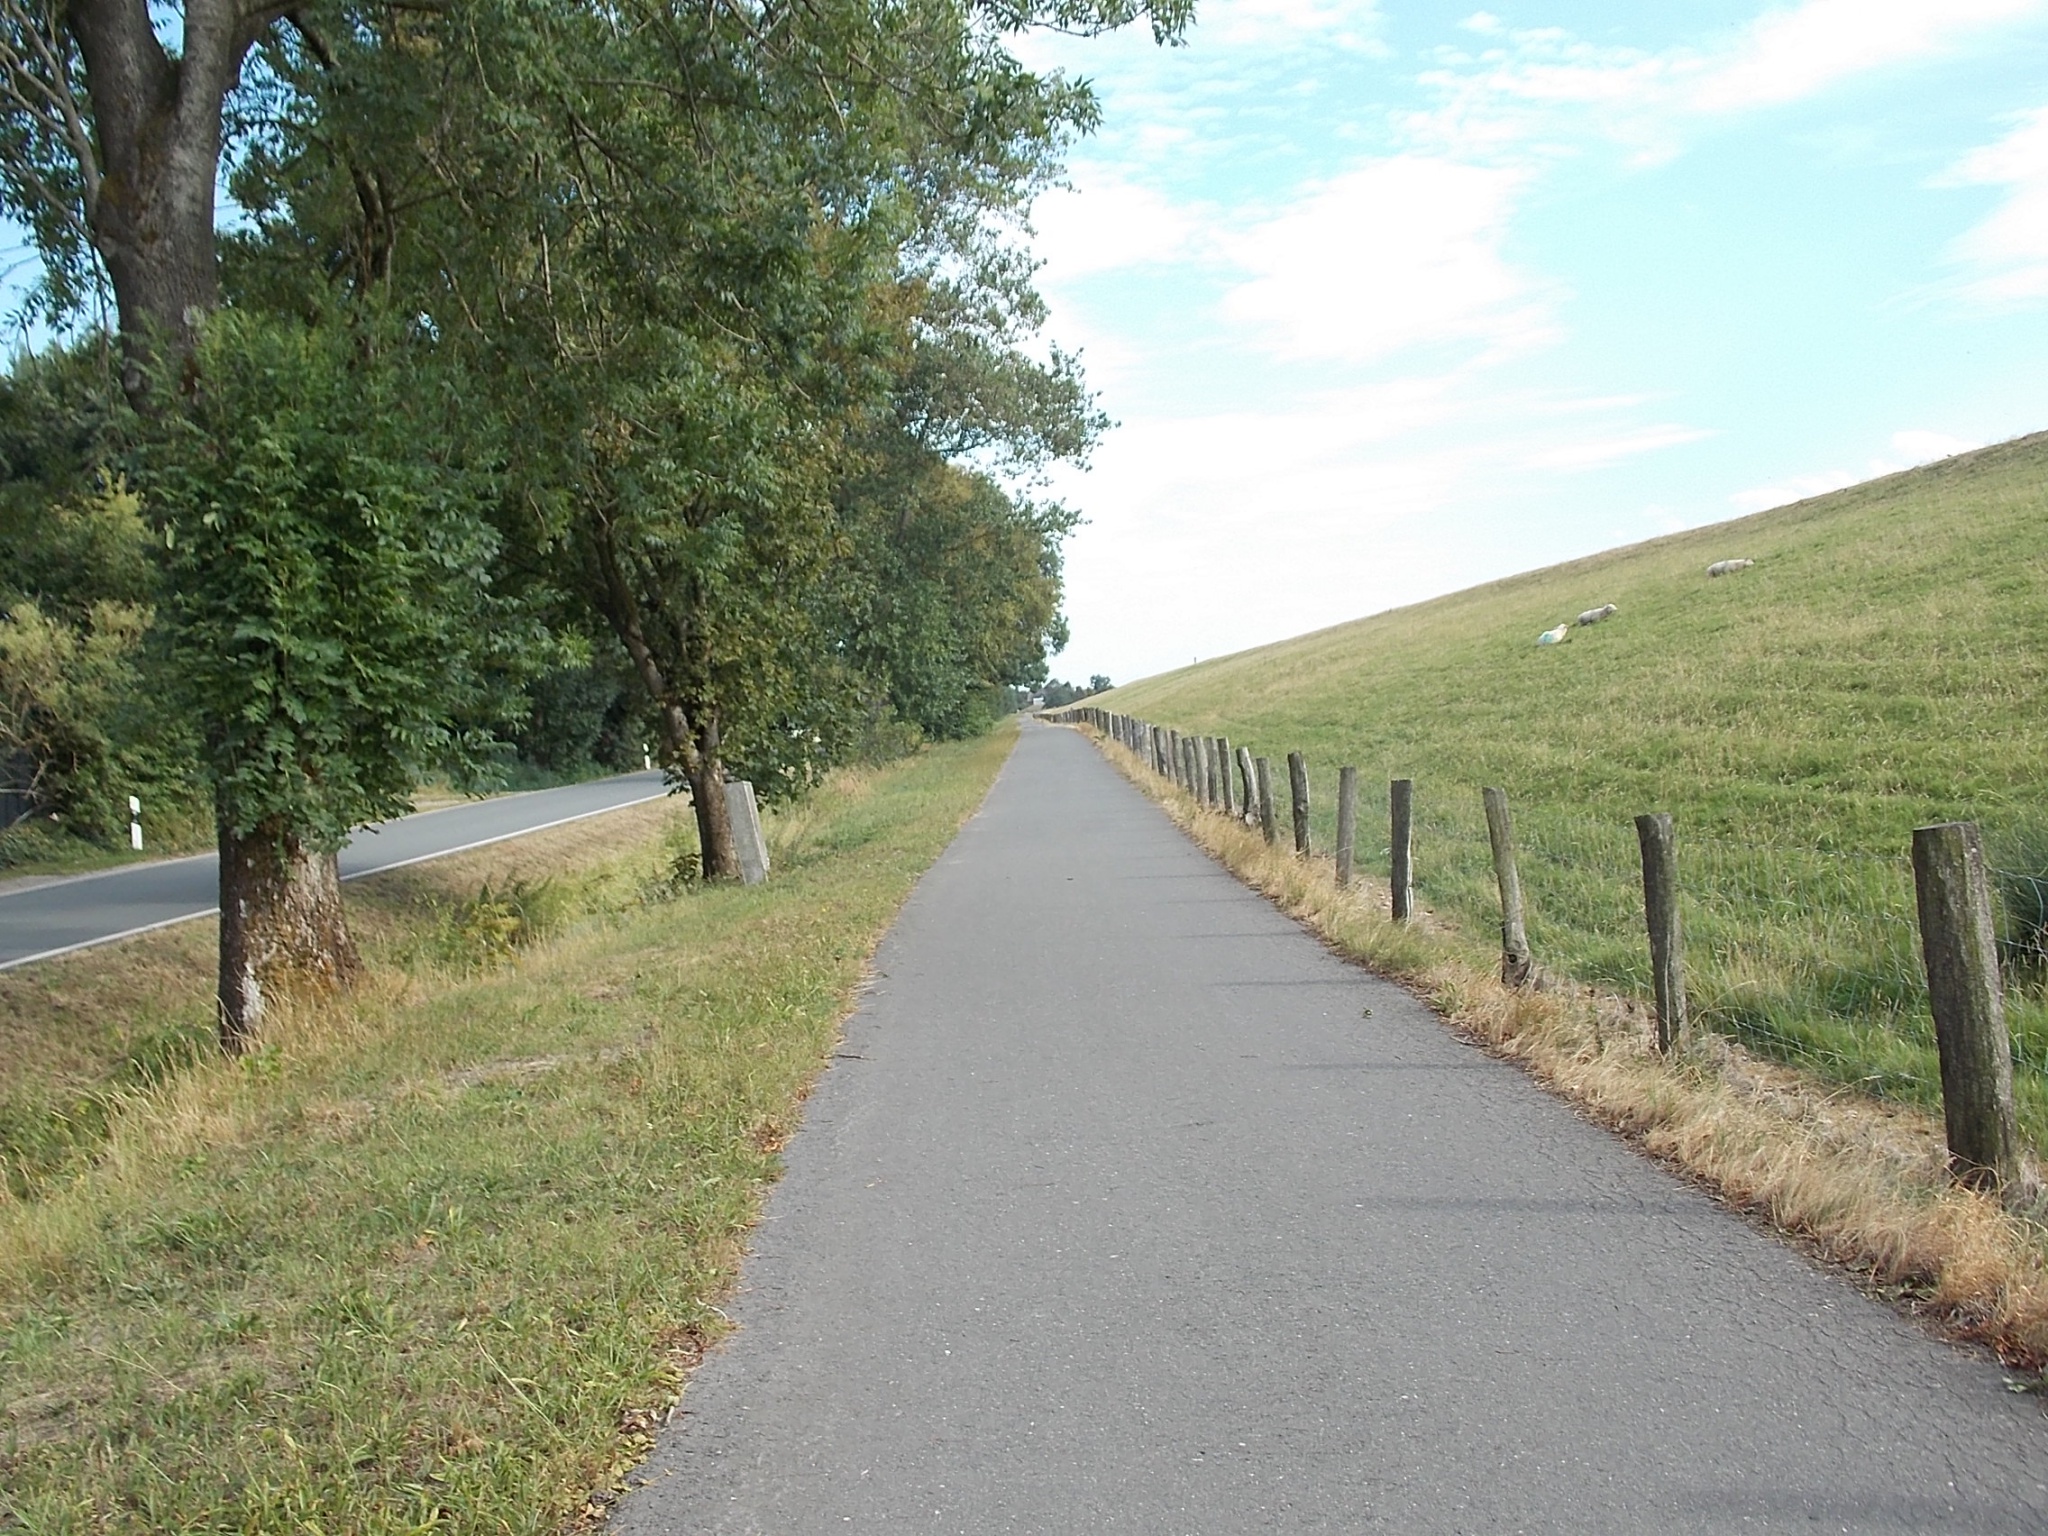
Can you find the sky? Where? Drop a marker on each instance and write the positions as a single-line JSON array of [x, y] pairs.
[[1388, 299]]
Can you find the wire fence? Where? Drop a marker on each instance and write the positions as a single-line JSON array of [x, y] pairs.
[[1806, 954]]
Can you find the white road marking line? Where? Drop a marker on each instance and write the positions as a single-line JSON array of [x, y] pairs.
[[186, 917]]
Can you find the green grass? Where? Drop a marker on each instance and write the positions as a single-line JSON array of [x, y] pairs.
[[435, 1258], [1883, 666]]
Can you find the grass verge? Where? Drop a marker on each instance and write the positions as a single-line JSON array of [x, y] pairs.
[[1860, 1181], [437, 1256]]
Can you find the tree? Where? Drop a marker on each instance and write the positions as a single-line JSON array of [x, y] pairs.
[[84, 723], [680, 236], [333, 625], [110, 153], [111, 148], [954, 589]]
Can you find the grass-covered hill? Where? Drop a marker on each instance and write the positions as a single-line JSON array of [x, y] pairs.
[[1883, 665]]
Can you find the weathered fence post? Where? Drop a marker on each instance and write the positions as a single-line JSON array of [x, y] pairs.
[[1660, 912], [1209, 770], [1347, 823], [1297, 794], [1224, 759], [1515, 964], [1264, 771], [1401, 846], [1960, 947], [1248, 777]]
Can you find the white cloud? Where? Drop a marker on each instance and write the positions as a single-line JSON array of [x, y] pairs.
[[1789, 54], [1102, 222], [1921, 447], [1761, 498], [1532, 85], [1255, 23], [2008, 250], [1908, 448], [1399, 253], [1599, 452], [1237, 527]]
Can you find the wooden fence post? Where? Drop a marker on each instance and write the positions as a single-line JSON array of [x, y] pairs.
[[1297, 794], [1347, 823], [1264, 772], [1515, 965], [1249, 778], [1224, 759], [1660, 911], [1401, 846], [1960, 947], [1209, 770]]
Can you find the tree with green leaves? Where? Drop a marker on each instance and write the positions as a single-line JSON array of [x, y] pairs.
[[328, 606], [332, 622], [680, 237]]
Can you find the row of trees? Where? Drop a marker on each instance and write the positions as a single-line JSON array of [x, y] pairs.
[[693, 333], [1056, 694]]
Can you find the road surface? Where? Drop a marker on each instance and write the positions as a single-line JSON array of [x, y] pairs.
[[1129, 1208], [44, 919]]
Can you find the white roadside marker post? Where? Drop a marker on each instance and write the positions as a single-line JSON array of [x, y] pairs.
[[135, 823]]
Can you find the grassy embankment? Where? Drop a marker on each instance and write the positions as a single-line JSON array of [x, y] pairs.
[[438, 1255], [1883, 666]]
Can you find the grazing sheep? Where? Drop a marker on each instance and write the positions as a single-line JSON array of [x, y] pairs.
[[1728, 567], [1595, 615], [1555, 636]]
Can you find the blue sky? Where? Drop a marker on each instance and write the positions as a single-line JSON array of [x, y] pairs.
[[1393, 298]]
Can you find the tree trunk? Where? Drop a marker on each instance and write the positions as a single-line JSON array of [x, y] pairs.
[[149, 174], [152, 172], [705, 770], [690, 739], [282, 928]]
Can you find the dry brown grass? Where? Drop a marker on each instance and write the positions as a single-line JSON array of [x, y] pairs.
[[1857, 1182]]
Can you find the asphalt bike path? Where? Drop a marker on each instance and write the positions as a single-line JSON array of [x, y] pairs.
[[1127, 1207], [41, 920]]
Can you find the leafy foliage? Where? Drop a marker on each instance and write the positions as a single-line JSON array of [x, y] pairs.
[[83, 724], [333, 624]]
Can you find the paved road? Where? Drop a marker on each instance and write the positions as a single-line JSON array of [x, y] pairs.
[[1123, 1214], [53, 918]]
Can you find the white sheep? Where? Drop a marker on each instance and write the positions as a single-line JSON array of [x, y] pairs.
[[1595, 615], [1728, 567], [1555, 636]]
